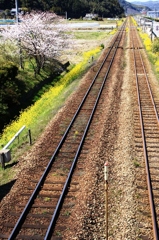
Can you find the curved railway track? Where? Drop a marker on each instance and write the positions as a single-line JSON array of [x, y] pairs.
[[47, 198], [147, 127]]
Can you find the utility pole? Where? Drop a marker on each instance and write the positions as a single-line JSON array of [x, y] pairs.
[[152, 32], [106, 196], [16, 7]]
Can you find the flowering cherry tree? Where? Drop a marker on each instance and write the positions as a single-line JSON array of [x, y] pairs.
[[41, 37]]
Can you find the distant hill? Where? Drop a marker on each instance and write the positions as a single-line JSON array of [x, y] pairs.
[[74, 8], [153, 5], [133, 8]]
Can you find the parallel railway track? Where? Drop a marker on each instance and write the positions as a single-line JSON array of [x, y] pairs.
[[47, 198], [147, 128]]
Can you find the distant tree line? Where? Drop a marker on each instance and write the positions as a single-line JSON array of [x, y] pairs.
[[74, 8]]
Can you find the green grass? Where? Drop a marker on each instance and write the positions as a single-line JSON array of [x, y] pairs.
[[105, 21], [6, 176], [136, 163], [91, 35], [57, 105], [27, 75]]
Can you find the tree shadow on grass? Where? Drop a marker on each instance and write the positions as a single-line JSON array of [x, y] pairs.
[[11, 164], [4, 189]]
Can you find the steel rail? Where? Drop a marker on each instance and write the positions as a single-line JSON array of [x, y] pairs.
[[52, 223], [23, 215], [151, 199], [150, 91]]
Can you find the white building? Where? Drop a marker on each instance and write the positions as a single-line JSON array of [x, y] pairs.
[[153, 14], [90, 16], [13, 11], [155, 27]]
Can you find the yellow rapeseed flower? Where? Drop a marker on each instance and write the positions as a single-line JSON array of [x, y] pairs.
[[32, 114]]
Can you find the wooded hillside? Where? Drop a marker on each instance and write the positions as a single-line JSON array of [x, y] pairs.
[[74, 8]]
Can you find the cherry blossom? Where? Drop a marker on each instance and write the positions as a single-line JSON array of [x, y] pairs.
[[39, 36]]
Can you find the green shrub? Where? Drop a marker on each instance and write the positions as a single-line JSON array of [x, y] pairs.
[[8, 71], [155, 46], [102, 46], [152, 57], [9, 91]]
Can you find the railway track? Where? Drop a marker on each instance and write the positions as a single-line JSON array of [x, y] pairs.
[[50, 199], [146, 128]]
